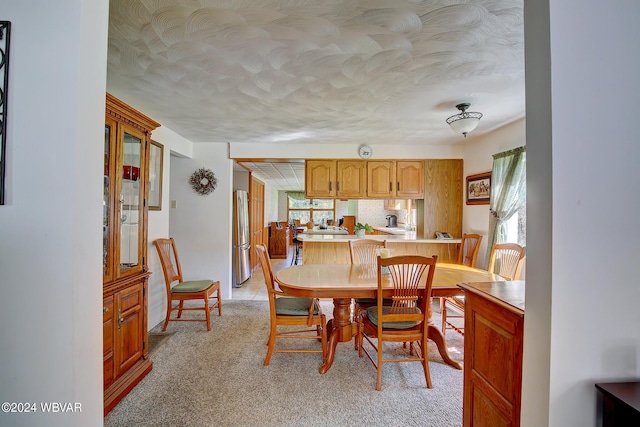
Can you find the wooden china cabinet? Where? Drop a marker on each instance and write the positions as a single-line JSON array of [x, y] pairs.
[[124, 250]]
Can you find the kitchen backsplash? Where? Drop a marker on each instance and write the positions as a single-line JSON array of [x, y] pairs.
[[373, 213]]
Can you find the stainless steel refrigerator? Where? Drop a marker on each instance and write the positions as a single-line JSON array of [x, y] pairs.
[[241, 244]]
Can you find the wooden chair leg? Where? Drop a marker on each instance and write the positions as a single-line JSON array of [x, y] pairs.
[[219, 302], [180, 308], [166, 319], [271, 343], [207, 312], [379, 367], [425, 363]]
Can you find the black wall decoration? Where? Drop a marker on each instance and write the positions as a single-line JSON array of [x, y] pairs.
[[5, 31]]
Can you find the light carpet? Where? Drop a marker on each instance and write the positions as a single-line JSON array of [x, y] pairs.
[[217, 378]]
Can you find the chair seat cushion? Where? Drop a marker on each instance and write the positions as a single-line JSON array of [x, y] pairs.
[[294, 306], [372, 315], [191, 286]]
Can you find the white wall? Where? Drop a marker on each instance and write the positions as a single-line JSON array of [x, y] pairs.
[[174, 145], [582, 176], [478, 158], [202, 225], [50, 226]]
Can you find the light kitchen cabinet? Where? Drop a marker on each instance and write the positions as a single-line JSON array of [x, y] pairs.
[[124, 257], [397, 204], [351, 176], [360, 179], [381, 177], [326, 179], [441, 209], [410, 179], [319, 179], [388, 179]]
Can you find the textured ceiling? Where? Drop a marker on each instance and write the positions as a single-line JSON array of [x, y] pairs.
[[375, 72]]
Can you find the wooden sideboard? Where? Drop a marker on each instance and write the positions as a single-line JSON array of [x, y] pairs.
[[279, 239], [494, 322]]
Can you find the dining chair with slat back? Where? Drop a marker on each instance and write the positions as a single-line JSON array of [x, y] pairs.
[[291, 311], [297, 245], [453, 307], [185, 290], [406, 320], [364, 251], [506, 260]]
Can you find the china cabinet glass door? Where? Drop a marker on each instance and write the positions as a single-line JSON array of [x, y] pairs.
[[107, 195], [131, 199]]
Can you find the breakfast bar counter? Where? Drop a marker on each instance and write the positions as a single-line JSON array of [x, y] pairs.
[[334, 249]]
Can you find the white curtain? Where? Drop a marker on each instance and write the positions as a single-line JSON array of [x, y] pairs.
[[296, 195], [508, 192]]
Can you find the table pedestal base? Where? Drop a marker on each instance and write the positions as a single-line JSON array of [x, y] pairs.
[[342, 329]]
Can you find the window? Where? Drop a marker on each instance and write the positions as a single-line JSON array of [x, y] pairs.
[[516, 227], [317, 209], [507, 219]]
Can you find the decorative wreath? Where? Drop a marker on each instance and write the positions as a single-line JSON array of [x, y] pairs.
[[203, 181]]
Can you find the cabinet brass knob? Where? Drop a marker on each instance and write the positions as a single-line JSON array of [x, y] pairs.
[[105, 310]]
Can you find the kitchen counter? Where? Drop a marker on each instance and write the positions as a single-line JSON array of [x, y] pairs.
[[328, 231], [408, 236], [334, 249], [391, 230]]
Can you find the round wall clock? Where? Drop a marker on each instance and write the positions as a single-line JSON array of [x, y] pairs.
[[365, 151]]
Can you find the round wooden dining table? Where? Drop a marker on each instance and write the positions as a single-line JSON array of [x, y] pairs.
[[342, 282]]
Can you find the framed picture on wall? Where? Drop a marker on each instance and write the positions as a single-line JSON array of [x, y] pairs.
[[479, 189], [156, 154]]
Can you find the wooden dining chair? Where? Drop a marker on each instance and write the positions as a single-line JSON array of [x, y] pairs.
[[291, 311], [453, 307], [408, 284], [297, 245], [364, 251], [185, 290], [506, 260]]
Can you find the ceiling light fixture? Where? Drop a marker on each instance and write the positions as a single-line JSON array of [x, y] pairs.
[[464, 122]]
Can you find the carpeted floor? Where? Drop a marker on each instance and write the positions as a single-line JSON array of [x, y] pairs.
[[157, 340], [216, 378]]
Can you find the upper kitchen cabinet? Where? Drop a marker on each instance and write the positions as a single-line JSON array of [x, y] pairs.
[[395, 179], [124, 255], [381, 177], [352, 178], [320, 179], [410, 179], [327, 179]]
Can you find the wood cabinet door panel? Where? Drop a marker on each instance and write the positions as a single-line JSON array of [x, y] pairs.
[[410, 179], [443, 197], [381, 179], [485, 413], [108, 327], [319, 179], [351, 178], [493, 363], [492, 346], [129, 329]]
